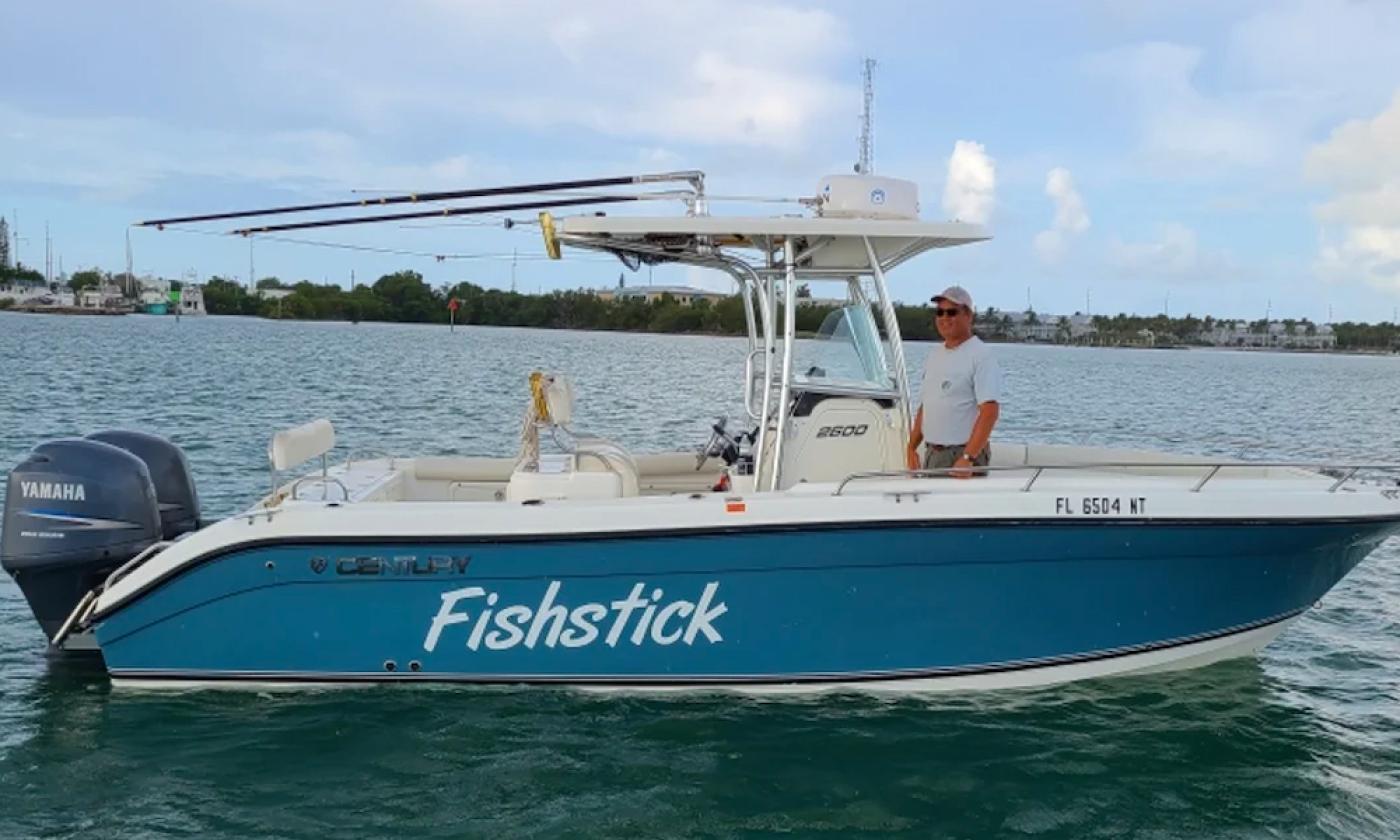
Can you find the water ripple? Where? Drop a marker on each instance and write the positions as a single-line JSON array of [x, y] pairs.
[[1303, 741]]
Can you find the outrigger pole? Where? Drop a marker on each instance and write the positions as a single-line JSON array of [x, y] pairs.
[[433, 214], [694, 177]]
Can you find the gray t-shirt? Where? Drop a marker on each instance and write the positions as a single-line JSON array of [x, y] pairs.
[[956, 382]]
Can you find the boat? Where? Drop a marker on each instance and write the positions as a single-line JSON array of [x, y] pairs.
[[792, 552], [155, 302]]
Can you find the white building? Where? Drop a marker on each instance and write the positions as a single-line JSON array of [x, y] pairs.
[[192, 300], [684, 295], [100, 297], [1044, 328], [24, 294], [1081, 327], [1275, 334]]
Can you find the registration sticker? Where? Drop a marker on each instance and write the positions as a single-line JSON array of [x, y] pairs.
[[1100, 505]]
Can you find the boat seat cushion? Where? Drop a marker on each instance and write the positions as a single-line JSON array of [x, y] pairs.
[[463, 469]]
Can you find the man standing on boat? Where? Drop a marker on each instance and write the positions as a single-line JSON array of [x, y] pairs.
[[959, 403]]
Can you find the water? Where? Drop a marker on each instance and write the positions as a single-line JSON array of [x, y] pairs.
[[1302, 742]]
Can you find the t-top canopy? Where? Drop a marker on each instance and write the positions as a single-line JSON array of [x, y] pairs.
[[821, 243]]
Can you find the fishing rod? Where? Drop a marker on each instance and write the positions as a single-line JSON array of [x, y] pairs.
[[694, 177], [431, 214]]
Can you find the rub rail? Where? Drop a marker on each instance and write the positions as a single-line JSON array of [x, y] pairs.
[[1342, 473]]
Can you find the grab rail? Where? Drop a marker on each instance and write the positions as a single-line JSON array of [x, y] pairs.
[[324, 481], [126, 568], [78, 617], [361, 454], [78, 614], [1348, 471]]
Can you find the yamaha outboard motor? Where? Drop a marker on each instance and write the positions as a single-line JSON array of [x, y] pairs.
[[75, 510], [170, 473]]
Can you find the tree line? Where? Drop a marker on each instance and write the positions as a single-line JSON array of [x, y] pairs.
[[1124, 329], [405, 297]]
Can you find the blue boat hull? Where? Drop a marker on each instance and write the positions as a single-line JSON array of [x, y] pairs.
[[842, 604]]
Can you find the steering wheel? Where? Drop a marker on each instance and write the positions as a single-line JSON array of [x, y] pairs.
[[720, 445]]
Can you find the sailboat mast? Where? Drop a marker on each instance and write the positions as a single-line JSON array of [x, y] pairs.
[[130, 281]]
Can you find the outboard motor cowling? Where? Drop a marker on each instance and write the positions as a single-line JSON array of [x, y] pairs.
[[170, 473], [75, 510]]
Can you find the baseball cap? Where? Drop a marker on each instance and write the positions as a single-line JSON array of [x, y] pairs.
[[956, 294]]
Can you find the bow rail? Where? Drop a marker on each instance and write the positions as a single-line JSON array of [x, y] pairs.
[[1343, 473]]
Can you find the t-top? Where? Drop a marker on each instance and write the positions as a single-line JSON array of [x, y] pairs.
[[956, 382]]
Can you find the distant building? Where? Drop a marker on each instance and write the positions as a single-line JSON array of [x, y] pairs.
[[272, 294], [4, 244], [830, 303], [29, 293], [684, 295], [192, 300], [1030, 326], [100, 297], [1081, 327], [1295, 336]]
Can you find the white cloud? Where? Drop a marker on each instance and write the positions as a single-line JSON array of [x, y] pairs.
[[969, 194], [1359, 153], [635, 70], [1360, 164], [79, 151], [1172, 255], [1325, 56], [716, 99], [1071, 217], [1179, 124], [283, 96]]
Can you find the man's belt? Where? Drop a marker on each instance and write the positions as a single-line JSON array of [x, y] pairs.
[[939, 447]]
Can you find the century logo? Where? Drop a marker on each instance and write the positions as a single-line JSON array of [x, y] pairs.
[[59, 490], [552, 623]]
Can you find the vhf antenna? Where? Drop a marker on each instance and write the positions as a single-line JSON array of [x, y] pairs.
[[867, 118]]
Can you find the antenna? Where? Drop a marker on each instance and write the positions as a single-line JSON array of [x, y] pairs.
[[867, 118], [514, 256]]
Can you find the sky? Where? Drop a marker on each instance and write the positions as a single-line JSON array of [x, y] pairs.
[[1223, 158]]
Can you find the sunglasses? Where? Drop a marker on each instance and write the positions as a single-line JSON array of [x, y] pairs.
[[940, 312]]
